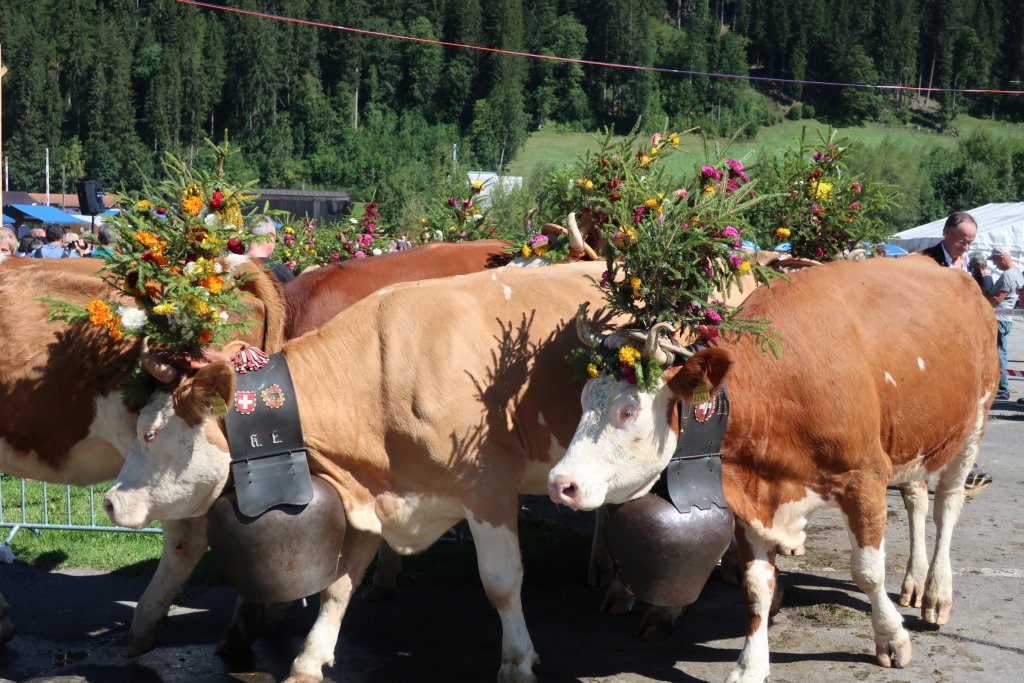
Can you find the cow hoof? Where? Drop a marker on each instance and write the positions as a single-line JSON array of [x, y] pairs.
[[798, 551], [896, 653], [377, 593], [616, 603], [657, 622], [136, 645], [512, 672], [937, 614], [911, 593]]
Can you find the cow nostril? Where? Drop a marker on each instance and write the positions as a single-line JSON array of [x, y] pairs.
[[108, 507], [568, 491]]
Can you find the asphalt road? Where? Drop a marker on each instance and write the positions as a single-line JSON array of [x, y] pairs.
[[68, 622]]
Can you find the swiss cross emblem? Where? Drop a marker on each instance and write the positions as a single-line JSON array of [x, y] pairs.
[[245, 401], [702, 412], [273, 396]]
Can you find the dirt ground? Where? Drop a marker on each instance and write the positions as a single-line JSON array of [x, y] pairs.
[[68, 622]]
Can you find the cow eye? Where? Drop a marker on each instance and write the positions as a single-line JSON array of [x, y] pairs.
[[151, 435], [629, 413]]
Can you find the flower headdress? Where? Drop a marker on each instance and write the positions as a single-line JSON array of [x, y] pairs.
[[669, 247], [168, 238]]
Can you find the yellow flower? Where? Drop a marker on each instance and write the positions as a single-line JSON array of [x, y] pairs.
[[782, 232], [651, 203], [674, 139], [625, 237], [592, 370], [527, 252], [191, 190], [634, 282], [645, 159], [694, 220], [822, 190], [144, 205], [709, 190], [629, 355], [289, 230], [588, 185], [745, 267], [541, 250], [477, 185], [164, 309], [192, 205]]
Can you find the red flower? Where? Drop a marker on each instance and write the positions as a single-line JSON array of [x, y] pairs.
[[614, 197], [236, 247], [614, 183], [161, 210], [217, 200]]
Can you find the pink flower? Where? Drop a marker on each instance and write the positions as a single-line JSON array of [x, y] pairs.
[[360, 254], [855, 206], [730, 231], [710, 172], [627, 374], [365, 240], [656, 138], [857, 188], [538, 241], [638, 215], [371, 228], [735, 260], [681, 193], [712, 315], [816, 210], [819, 252], [707, 332], [605, 276], [735, 166], [335, 256]]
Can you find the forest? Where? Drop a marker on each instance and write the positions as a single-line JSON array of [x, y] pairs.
[[109, 86]]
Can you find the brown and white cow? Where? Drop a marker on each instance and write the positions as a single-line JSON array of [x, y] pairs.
[[51, 371], [423, 405], [887, 374]]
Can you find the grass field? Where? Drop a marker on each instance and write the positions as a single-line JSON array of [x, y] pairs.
[[546, 149]]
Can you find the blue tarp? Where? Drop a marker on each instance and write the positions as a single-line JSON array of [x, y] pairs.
[[41, 213], [894, 249], [784, 247], [7, 219]]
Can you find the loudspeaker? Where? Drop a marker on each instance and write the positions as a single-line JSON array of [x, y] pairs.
[[90, 197]]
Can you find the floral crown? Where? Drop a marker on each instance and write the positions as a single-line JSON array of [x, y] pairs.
[[669, 246], [167, 240]]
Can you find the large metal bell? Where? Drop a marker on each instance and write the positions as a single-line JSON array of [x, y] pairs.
[[287, 553], [665, 557]]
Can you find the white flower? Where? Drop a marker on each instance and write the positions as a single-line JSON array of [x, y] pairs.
[[438, 235], [224, 316], [212, 220], [353, 221], [377, 252], [217, 268], [132, 318], [190, 269]]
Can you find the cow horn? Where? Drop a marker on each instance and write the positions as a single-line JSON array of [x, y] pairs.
[[528, 221], [584, 330], [163, 372], [653, 348], [575, 237]]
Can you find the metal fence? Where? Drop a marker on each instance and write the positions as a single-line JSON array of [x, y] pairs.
[[38, 506]]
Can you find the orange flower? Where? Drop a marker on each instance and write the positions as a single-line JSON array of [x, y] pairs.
[[152, 287], [147, 240], [214, 283], [205, 337], [192, 205], [99, 312], [114, 330]]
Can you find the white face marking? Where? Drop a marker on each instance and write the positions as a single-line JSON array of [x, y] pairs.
[[920, 363], [889, 379], [620, 447], [172, 471]]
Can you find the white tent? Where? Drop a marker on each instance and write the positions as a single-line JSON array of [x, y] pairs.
[[999, 225]]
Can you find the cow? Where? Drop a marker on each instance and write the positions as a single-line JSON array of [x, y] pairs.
[[51, 370], [54, 369], [886, 376], [466, 401]]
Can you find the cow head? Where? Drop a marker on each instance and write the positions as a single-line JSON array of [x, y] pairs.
[[179, 462], [626, 436]]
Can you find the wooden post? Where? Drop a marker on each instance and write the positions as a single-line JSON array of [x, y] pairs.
[[3, 70]]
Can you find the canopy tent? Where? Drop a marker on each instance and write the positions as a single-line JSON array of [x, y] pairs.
[[999, 225], [7, 219], [42, 213]]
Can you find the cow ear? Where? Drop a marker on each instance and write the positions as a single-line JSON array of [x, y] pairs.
[[707, 368], [196, 399]]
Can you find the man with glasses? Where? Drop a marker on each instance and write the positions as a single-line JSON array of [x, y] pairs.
[[957, 237]]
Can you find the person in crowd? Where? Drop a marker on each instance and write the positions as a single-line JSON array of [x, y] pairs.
[[28, 244], [262, 250], [978, 268], [958, 235], [75, 243], [1003, 298], [54, 247], [105, 238], [8, 242]]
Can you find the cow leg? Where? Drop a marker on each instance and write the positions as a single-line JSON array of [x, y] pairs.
[[501, 572], [6, 627], [183, 545], [318, 649], [384, 582], [758, 556], [865, 512], [915, 499], [949, 501]]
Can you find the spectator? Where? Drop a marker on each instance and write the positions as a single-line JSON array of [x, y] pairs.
[[75, 243], [105, 237], [978, 269], [261, 250], [8, 242], [957, 237], [28, 244], [54, 247], [1003, 298]]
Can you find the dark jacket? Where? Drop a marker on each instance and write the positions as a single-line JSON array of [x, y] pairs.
[[936, 253]]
